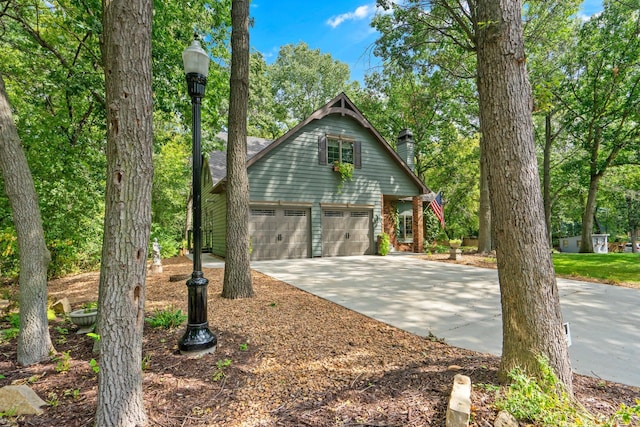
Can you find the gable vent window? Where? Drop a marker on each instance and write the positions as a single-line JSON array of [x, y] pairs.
[[360, 214], [336, 148], [263, 212]]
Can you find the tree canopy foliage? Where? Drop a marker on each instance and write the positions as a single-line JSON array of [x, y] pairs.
[[59, 109], [600, 96], [303, 80], [583, 73]]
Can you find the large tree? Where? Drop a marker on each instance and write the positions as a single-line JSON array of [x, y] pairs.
[[34, 341], [426, 34], [430, 103], [126, 52], [261, 120], [545, 49], [237, 272], [303, 80], [57, 93], [58, 102], [421, 34], [601, 94], [532, 320]]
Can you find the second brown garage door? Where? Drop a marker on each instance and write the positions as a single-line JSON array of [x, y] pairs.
[[346, 232]]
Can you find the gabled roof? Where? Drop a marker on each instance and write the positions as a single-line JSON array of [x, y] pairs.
[[342, 105], [218, 159]]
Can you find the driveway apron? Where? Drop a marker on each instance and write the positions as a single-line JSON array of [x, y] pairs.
[[462, 305]]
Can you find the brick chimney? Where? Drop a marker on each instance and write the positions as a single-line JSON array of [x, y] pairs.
[[405, 148]]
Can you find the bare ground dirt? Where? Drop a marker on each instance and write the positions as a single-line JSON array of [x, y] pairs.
[[285, 358]]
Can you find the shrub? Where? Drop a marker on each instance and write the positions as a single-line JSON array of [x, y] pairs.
[[384, 244], [166, 318], [90, 306], [436, 249], [169, 244], [545, 402]]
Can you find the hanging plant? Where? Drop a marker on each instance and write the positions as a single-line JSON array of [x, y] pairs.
[[346, 173]]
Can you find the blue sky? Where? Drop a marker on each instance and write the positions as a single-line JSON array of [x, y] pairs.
[[338, 27]]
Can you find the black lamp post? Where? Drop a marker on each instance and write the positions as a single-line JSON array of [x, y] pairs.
[[197, 338]]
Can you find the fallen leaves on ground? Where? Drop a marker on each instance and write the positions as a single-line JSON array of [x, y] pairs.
[[294, 359]]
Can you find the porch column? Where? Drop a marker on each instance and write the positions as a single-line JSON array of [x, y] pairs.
[[418, 225]]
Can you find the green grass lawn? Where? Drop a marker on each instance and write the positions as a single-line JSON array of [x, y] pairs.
[[613, 267]]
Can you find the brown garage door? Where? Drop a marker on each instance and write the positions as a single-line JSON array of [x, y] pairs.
[[346, 232], [279, 233]]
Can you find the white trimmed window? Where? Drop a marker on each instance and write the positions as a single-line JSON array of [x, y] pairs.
[[339, 150], [405, 228]]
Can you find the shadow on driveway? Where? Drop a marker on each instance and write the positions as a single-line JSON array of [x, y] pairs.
[[462, 305]]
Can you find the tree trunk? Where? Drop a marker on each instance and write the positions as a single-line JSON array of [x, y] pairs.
[[633, 217], [237, 272], [34, 341], [531, 317], [546, 175], [586, 243], [485, 241], [126, 52]]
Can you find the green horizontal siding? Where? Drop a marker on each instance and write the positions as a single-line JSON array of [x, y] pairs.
[[291, 173], [220, 227]]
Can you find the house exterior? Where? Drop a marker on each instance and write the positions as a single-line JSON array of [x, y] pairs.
[[298, 206], [572, 244]]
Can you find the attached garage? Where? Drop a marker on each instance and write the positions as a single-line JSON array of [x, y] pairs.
[[347, 232], [279, 232], [301, 204]]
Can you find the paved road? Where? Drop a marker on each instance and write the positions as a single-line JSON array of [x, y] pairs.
[[462, 305]]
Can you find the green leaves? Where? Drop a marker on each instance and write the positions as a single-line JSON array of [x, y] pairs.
[[303, 79], [57, 92], [167, 318]]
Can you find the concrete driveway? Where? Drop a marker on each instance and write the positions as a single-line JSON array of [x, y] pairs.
[[462, 305]]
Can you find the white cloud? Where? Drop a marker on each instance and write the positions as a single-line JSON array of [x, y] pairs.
[[584, 18], [361, 12]]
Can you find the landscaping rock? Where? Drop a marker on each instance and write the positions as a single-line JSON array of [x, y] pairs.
[[61, 307], [459, 409], [505, 419], [20, 400]]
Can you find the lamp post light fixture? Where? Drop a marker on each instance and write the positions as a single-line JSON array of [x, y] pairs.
[[197, 338]]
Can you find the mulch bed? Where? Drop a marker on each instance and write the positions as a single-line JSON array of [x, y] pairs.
[[284, 358]]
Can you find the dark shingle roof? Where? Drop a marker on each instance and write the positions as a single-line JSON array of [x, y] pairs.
[[218, 159]]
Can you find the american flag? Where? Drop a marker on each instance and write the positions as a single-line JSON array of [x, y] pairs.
[[436, 206]]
